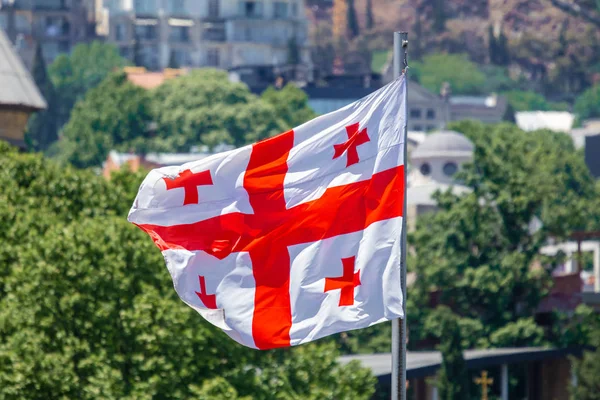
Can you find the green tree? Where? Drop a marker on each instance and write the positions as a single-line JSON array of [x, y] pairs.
[[584, 329], [463, 75], [352, 20], [588, 104], [83, 69], [452, 381], [476, 252], [527, 101], [87, 309], [205, 107], [291, 105], [115, 114], [42, 129]]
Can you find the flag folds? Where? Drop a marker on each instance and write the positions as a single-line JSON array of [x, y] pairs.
[[292, 238]]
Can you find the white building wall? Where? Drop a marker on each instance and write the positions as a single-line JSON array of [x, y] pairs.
[[248, 40]]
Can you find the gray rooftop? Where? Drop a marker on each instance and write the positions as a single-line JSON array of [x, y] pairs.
[[421, 364], [17, 87], [444, 144]]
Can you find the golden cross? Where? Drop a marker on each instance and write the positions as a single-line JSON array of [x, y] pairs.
[[484, 381]]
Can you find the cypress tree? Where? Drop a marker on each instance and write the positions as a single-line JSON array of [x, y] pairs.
[[504, 54], [370, 19], [42, 127], [453, 377], [492, 46], [439, 16], [352, 20]]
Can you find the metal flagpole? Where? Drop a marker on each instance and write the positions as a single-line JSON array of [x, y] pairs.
[[399, 325]]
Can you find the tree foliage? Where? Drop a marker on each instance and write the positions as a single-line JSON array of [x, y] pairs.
[[452, 381], [42, 127], [463, 75], [588, 104], [87, 309], [532, 101], [83, 69], [116, 114], [476, 254], [586, 326], [203, 107]]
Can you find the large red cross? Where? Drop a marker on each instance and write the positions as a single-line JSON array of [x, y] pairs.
[[189, 182], [272, 228], [355, 139], [347, 282]]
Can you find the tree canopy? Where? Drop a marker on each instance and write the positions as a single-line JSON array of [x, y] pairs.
[[461, 73], [116, 114], [588, 104], [87, 309], [202, 107], [477, 254], [83, 69]]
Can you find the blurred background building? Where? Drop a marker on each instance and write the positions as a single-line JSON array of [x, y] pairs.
[[205, 33]]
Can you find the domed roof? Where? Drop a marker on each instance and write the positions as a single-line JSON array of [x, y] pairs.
[[444, 144]]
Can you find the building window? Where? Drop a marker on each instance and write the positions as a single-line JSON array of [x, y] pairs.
[[22, 23], [180, 34], [120, 32], [63, 46], [294, 9], [450, 168], [430, 113], [4, 21], [213, 8], [251, 9], [177, 7], [214, 32], [418, 128], [425, 169], [145, 32], [179, 58], [56, 26], [415, 113], [145, 6], [280, 9], [213, 57]]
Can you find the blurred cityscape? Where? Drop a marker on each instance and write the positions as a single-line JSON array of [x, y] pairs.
[[503, 187]]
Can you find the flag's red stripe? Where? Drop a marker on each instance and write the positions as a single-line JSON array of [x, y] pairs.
[[263, 181], [340, 210]]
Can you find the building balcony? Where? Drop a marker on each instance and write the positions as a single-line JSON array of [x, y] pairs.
[[271, 32], [214, 32]]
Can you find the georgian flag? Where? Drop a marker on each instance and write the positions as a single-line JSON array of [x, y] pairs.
[[292, 238]]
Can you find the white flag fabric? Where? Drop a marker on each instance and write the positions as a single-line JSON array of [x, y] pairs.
[[292, 238]]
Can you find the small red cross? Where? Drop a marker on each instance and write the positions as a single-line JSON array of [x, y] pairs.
[[355, 139], [347, 282], [209, 300], [189, 182]]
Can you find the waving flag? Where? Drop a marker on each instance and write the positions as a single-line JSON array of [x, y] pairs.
[[295, 237]]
